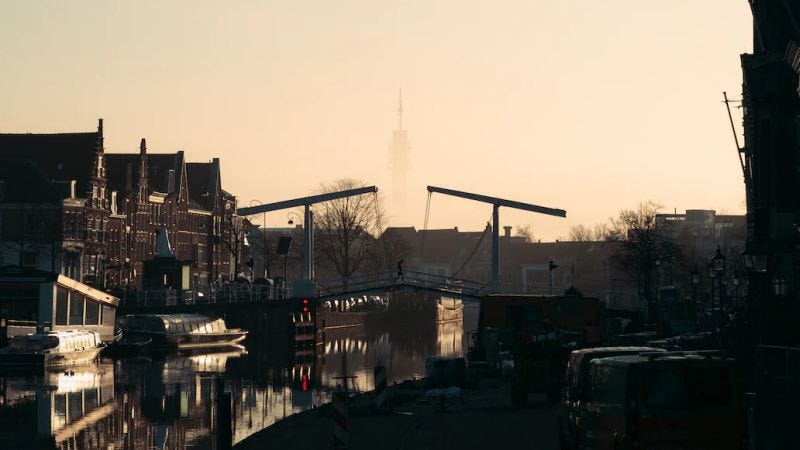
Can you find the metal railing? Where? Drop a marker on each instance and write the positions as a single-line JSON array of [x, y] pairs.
[[409, 279], [226, 293]]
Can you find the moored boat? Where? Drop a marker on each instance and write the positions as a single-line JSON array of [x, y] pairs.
[[51, 349], [176, 332]]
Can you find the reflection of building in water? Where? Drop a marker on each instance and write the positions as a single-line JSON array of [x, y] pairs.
[[402, 349], [59, 409]]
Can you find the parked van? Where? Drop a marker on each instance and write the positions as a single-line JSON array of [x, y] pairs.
[[576, 387], [661, 401]]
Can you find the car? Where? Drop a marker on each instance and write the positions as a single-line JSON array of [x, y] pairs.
[[576, 387], [662, 400]]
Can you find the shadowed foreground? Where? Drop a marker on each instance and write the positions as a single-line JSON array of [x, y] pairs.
[[480, 418]]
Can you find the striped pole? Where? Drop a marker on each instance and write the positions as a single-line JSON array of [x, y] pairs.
[[341, 437], [380, 385]]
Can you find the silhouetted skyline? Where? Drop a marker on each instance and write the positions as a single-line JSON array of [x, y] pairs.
[[587, 106]]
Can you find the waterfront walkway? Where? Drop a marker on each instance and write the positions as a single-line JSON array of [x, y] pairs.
[[479, 419]]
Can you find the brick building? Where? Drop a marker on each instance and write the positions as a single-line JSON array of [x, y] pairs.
[[72, 164], [162, 191], [96, 214]]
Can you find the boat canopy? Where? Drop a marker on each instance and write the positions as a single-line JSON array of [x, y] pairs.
[[175, 324], [65, 341]]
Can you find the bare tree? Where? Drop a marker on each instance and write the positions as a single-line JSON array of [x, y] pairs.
[[389, 249], [646, 248], [524, 232], [234, 230], [346, 228], [33, 231], [581, 233]]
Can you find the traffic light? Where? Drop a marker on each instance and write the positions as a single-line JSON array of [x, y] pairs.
[[305, 305]]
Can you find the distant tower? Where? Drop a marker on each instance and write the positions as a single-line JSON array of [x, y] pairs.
[[398, 156]]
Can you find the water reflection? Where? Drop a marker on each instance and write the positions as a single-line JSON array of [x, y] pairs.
[[168, 402], [57, 409]]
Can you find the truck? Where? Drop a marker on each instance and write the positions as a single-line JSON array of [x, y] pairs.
[[539, 332]]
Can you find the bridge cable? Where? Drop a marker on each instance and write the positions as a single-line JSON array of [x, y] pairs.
[[385, 255], [472, 254], [425, 226]]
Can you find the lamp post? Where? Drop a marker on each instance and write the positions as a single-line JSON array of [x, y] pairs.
[[290, 222], [716, 270], [695, 282]]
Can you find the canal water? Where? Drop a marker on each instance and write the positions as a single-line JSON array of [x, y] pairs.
[[168, 402]]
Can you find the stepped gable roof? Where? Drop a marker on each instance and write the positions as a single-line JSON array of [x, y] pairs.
[[117, 170], [21, 181], [61, 156], [158, 167]]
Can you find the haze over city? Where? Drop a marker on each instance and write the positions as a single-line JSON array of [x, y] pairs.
[[585, 106]]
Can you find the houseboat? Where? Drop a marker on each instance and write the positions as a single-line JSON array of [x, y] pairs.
[[52, 349], [176, 332]]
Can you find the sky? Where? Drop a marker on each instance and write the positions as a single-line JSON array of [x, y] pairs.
[[583, 105]]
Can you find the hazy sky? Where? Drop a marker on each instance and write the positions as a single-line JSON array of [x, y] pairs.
[[584, 105]]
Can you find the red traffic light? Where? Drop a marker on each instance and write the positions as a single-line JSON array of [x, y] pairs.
[[305, 301], [304, 382]]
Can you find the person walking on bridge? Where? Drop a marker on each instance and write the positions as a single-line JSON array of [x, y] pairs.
[[400, 270]]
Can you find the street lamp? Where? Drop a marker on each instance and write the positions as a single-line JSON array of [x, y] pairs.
[[716, 270], [695, 281]]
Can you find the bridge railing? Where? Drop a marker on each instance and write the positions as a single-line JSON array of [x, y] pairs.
[[226, 293], [409, 279]]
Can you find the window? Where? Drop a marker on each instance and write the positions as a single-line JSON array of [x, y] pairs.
[[62, 296], [608, 385], [92, 312], [688, 389], [76, 309]]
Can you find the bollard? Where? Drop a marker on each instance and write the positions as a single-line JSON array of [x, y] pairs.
[[380, 386], [341, 437]]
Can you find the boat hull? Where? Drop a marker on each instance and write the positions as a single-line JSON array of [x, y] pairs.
[[23, 360], [155, 341]]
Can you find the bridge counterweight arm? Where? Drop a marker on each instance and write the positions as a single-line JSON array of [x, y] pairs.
[[496, 204], [304, 201], [499, 201]]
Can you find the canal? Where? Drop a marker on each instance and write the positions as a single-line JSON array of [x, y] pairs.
[[168, 402]]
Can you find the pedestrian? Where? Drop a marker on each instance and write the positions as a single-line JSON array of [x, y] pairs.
[[400, 270]]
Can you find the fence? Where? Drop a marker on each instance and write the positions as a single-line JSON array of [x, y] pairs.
[[226, 293]]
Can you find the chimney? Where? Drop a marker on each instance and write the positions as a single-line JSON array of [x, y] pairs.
[[113, 202], [171, 181], [142, 147], [100, 126], [507, 231]]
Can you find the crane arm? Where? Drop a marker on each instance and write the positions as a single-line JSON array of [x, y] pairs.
[[304, 201], [499, 201]]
